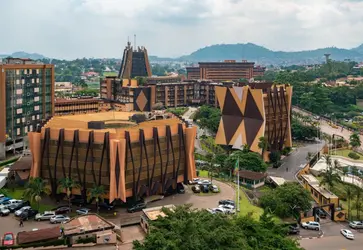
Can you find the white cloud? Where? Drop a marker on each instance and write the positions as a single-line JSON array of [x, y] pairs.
[[99, 28]]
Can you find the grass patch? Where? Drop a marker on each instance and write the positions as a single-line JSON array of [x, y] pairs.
[[178, 111], [93, 85], [208, 144], [109, 73], [246, 208], [345, 152], [203, 174]]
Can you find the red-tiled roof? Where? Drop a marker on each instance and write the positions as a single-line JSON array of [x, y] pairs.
[[38, 235], [252, 175]]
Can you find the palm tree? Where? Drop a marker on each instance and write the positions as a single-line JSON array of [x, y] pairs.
[[355, 172], [330, 174], [97, 193], [262, 144], [67, 184], [5, 192], [349, 194], [35, 188], [210, 159], [345, 171], [358, 201]]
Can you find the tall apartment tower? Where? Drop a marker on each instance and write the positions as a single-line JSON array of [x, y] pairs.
[[26, 100], [134, 63]]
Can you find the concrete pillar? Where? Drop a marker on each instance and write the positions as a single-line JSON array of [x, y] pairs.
[[2, 151]]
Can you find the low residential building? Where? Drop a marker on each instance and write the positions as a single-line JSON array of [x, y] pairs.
[[76, 106], [40, 235], [252, 179], [151, 214], [63, 87]]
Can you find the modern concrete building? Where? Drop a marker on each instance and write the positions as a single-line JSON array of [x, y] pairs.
[[251, 112], [229, 70], [134, 63], [26, 99], [128, 159], [76, 106]]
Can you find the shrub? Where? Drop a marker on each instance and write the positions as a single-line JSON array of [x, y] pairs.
[[275, 156], [286, 150], [86, 240], [353, 155]]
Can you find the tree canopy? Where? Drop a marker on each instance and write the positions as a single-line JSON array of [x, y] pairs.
[[194, 230], [208, 117], [285, 199], [247, 160]]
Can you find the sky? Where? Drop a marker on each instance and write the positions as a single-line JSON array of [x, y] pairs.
[[69, 29]]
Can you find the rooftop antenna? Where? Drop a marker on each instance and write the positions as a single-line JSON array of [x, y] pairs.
[[128, 41], [135, 41]]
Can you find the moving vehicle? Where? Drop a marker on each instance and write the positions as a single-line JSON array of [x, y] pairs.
[[227, 202], [137, 207], [214, 188], [21, 210], [44, 216], [8, 239], [28, 214], [17, 206], [59, 219], [62, 210], [4, 211], [83, 211], [196, 189], [311, 225], [356, 224], [347, 234]]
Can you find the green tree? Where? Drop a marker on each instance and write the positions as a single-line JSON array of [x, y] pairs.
[[285, 199], [262, 144], [185, 228], [67, 184], [35, 189], [97, 193], [249, 161], [330, 175], [354, 140], [349, 194]]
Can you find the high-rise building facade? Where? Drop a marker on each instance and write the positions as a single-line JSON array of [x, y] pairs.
[[229, 70], [134, 63], [26, 99]]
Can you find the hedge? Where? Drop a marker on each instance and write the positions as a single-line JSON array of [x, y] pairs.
[[353, 155]]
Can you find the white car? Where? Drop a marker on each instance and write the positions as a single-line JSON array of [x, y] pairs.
[[8, 203], [59, 219], [356, 224], [214, 189], [347, 234], [311, 225], [229, 209], [204, 182], [44, 216], [217, 210], [83, 211], [21, 210]]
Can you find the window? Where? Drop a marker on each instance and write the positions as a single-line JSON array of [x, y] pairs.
[[36, 108], [19, 111], [17, 72], [31, 128], [38, 117], [26, 129], [22, 81], [33, 117], [36, 90], [32, 80], [23, 119], [36, 99], [37, 71], [19, 101], [17, 81], [18, 121], [19, 91]]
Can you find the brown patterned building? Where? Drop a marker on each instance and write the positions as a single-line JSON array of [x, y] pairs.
[[249, 113], [129, 160], [76, 106], [229, 70]]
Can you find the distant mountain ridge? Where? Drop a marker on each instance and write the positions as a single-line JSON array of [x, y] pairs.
[[22, 54], [262, 55]]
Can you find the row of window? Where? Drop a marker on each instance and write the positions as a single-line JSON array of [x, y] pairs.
[[20, 110]]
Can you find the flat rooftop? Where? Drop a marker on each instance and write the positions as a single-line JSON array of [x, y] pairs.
[[310, 179], [327, 194], [154, 212]]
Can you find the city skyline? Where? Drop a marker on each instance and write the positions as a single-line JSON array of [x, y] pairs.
[[69, 29]]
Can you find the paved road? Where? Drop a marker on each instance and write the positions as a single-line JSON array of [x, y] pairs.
[[332, 243], [294, 162]]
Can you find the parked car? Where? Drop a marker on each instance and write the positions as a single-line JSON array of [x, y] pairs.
[[204, 188], [347, 234], [60, 218], [10, 202], [194, 181], [28, 214], [229, 209], [62, 210], [105, 206], [4, 211], [321, 213], [356, 224], [83, 211], [21, 210], [204, 182], [293, 229], [227, 202], [217, 210], [214, 188], [137, 207], [4, 199], [2, 196], [196, 189], [78, 201], [311, 225], [180, 188], [17, 206], [44, 216], [8, 239]]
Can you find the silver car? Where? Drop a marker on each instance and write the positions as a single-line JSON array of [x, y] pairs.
[[21, 210], [44, 216], [356, 224], [83, 211], [59, 219]]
